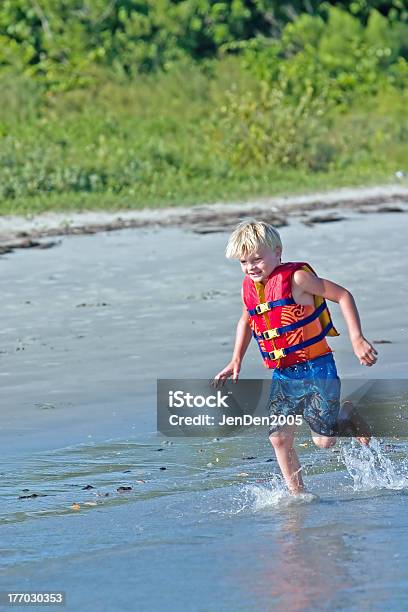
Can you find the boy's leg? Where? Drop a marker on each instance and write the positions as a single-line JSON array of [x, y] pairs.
[[323, 441], [282, 442], [322, 405], [351, 422]]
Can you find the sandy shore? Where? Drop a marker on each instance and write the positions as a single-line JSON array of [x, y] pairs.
[[29, 232], [88, 326]]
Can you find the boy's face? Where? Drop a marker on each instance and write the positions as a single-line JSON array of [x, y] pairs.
[[260, 264]]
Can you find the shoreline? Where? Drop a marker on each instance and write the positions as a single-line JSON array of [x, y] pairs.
[[80, 360], [18, 232]]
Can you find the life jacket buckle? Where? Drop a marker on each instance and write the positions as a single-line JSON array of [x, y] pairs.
[[270, 333], [261, 308], [277, 354]]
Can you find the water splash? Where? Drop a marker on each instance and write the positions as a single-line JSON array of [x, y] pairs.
[[271, 494], [370, 468], [262, 496]]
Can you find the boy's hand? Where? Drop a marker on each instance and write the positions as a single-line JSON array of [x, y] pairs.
[[232, 369], [364, 351]]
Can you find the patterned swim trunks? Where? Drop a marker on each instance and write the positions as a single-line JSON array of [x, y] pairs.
[[310, 389]]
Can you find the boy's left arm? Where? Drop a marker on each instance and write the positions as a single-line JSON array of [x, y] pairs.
[[308, 283]]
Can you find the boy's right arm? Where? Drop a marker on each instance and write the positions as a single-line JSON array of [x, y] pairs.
[[242, 340]]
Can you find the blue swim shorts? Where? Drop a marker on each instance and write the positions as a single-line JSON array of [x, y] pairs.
[[310, 389]]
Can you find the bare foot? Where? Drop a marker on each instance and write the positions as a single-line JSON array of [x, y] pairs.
[[357, 424]]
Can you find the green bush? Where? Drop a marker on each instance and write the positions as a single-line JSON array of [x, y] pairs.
[[61, 41], [263, 127], [309, 108]]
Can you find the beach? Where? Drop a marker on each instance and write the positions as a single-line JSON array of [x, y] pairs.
[[89, 324]]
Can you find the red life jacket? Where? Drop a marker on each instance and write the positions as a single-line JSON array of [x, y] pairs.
[[286, 332]]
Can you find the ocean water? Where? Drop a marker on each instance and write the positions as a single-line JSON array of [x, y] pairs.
[[87, 327], [214, 530]]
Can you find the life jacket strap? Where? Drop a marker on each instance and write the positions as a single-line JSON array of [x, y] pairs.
[[265, 306], [280, 353], [278, 331]]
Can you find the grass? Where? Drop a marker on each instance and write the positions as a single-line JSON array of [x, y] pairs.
[[243, 188], [158, 141]]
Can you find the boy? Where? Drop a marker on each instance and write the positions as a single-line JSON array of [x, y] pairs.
[[285, 310]]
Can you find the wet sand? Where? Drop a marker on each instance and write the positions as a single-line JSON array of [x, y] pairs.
[[87, 327]]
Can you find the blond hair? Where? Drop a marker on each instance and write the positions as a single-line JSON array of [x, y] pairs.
[[248, 236]]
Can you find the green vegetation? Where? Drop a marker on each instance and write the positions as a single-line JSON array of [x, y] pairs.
[[129, 104]]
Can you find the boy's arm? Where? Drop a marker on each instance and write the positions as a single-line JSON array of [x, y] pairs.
[[308, 283], [242, 339]]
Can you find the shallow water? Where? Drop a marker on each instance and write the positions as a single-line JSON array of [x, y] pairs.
[[215, 529], [226, 536]]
